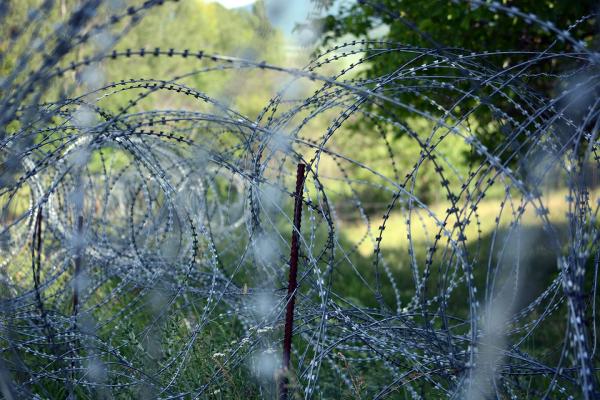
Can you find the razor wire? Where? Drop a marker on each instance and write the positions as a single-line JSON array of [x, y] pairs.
[[131, 236]]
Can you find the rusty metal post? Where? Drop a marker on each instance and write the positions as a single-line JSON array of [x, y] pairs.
[[292, 284], [76, 275]]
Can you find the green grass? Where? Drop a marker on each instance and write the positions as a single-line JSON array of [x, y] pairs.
[[149, 342]]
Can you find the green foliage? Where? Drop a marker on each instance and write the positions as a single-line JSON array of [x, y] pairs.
[[444, 24], [463, 25], [457, 24], [201, 26], [195, 25]]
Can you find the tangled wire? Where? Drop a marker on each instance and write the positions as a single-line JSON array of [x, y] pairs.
[[144, 252]]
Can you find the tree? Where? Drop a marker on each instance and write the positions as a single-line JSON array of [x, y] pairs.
[[463, 27]]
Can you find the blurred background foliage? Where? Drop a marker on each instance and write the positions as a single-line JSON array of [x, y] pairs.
[[195, 25], [465, 25], [248, 33]]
